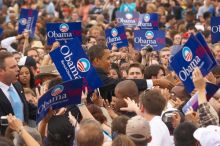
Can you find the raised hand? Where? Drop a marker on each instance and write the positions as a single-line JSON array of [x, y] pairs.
[[198, 79], [55, 45], [84, 95], [132, 106], [14, 123]]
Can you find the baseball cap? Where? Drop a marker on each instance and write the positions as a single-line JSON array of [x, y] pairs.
[[208, 136], [137, 125]]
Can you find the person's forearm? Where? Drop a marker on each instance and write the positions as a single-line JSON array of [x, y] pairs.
[[6, 43], [85, 112], [29, 140], [42, 127], [143, 60], [26, 45], [202, 96]]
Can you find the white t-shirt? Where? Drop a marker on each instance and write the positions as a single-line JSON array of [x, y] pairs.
[[159, 132]]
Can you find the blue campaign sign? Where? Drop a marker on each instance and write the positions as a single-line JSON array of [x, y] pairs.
[[201, 39], [61, 95], [154, 38], [211, 89], [1, 31], [215, 29], [116, 36], [27, 21], [128, 19], [63, 31], [72, 63], [192, 55], [149, 21]]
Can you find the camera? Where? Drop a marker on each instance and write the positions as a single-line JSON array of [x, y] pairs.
[[3, 121], [148, 48], [168, 117]]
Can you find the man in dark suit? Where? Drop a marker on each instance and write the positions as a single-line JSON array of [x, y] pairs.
[[100, 57], [12, 99]]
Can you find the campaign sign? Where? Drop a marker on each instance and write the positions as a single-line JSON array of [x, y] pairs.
[[61, 95], [72, 63], [27, 21], [211, 89], [192, 55], [155, 38], [1, 31], [149, 21], [63, 31], [128, 19], [201, 39], [215, 29], [116, 36]]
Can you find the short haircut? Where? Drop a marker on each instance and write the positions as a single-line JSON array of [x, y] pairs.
[[96, 51], [30, 49], [152, 70], [165, 49], [122, 140], [183, 134], [137, 65], [170, 17], [3, 56], [153, 102], [89, 134], [216, 45], [127, 88], [119, 125]]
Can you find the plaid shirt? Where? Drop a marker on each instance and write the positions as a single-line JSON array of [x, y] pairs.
[[206, 115]]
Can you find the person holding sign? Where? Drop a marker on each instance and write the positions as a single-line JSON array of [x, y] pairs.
[[206, 112]]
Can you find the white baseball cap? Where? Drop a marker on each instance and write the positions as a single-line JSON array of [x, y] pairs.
[[208, 136]]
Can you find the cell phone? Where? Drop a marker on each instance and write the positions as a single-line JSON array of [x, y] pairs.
[[4, 121]]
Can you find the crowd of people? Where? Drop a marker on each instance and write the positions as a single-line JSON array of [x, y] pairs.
[[140, 102]]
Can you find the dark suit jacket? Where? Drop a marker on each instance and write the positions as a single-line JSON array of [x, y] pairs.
[[107, 90], [5, 105]]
